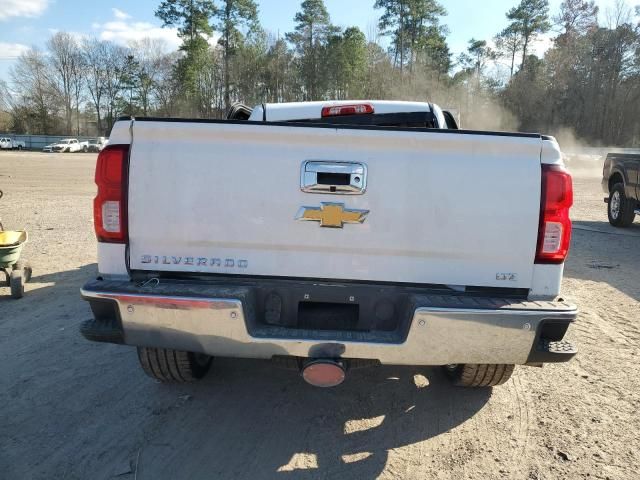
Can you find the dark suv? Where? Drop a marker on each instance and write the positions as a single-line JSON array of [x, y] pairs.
[[621, 181]]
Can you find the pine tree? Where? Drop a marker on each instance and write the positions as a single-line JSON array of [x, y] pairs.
[[312, 30], [192, 19], [129, 86], [508, 43], [530, 18], [414, 28], [233, 15], [347, 58]]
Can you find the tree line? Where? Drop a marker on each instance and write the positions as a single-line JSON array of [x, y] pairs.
[[588, 80]]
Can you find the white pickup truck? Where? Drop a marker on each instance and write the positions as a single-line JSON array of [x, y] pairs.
[[93, 144], [68, 145], [8, 143], [329, 236]]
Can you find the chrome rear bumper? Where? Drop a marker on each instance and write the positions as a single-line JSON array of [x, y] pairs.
[[444, 329]]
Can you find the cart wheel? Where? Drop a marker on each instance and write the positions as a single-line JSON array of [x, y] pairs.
[[17, 284], [5, 282], [27, 270]]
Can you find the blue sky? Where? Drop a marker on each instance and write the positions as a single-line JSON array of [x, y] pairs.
[[25, 23]]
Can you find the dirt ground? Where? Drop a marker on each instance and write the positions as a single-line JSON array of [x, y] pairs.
[[79, 410]]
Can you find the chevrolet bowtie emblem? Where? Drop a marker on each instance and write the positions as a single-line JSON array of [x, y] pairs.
[[331, 214]]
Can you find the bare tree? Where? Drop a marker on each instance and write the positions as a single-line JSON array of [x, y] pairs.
[[114, 63], [577, 15], [5, 106], [34, 92], [149, 54], [94, 53], [210, 85], [167, 86], [63, 74], [77, 84]]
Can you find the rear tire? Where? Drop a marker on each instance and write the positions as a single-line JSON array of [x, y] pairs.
[[85, 149], [173, 366], [620, 209], [17, 284], [479, 375]]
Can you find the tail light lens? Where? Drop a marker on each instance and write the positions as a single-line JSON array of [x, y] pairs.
[[110, 204], [341, 110], [554, 232]]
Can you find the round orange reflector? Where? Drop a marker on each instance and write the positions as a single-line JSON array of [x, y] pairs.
[[323, 373]]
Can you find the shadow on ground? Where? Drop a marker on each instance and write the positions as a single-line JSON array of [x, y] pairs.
[[76, 409], [605, 227], [41, 285], [602, 253], [248, 420]]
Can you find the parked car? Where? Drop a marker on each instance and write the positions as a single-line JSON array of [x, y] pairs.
[[94, 144], [621, 183], [7, 143], [328, 236], [68, 145]]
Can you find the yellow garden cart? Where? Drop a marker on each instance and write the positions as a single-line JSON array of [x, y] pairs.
[[16, 272]]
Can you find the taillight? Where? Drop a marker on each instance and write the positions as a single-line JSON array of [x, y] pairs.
[[554, 232], [110, 204], [341, 110]]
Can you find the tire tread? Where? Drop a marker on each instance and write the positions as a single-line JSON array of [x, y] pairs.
[[627, 213], [170, 366], [481, 375]]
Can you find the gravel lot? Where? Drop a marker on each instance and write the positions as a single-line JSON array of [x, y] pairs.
[[73, 409]]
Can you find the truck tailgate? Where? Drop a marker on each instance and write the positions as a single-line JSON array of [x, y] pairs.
[[443, 207]]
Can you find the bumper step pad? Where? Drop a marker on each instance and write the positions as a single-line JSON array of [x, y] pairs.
[[553, 351]]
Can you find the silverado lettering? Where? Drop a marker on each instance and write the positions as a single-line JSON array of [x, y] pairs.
[[197, 261]]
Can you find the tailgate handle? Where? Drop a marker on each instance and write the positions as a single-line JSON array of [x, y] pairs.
[[341, 178]]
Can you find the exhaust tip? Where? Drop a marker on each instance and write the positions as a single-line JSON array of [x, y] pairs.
[[323, 373]]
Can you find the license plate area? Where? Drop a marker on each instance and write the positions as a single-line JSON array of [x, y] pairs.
[[317, 306], [329, 316]]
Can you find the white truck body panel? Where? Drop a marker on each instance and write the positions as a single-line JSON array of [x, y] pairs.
[[222, 198], [112, 260]]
